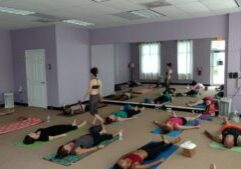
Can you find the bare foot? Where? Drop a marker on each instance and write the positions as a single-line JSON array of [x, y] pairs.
[[156, 122], [176, 140], [164, 139], [213, 166], [82, 124]]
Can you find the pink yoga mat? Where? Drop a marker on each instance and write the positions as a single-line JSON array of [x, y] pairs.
[[31, 121]]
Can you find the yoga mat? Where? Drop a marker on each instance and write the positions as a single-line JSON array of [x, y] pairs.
[[218, 146], [69, 160], [173, 133], [31, 121], [165, 154], [202, 106], [37, 144]]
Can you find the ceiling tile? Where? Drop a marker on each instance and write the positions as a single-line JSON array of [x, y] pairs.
[[193, 7], [216, 5], [123, 5], [171, 11], [174, 2]]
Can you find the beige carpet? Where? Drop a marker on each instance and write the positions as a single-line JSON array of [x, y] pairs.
[[137, 133]]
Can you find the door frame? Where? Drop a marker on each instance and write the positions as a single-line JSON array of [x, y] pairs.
[[45, 102]]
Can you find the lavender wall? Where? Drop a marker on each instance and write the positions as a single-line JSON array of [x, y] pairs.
[[102, 56], [72, 63], [195, 28], [6, 64], [201, 54], [34, 38], [122, 59], [233, 58]]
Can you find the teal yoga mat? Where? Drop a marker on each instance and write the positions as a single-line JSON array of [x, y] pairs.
[[69, 160]]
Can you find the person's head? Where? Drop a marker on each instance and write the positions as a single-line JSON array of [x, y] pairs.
[[172, 90], [94, 71], [229, 141], [139, 108], [193, 83], [166, 129], [110, 119], [208, 102], [123, 164], [169, 65], [30, 138], [63, 151]]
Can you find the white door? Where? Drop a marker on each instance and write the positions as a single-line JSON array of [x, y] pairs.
[[36, 78]]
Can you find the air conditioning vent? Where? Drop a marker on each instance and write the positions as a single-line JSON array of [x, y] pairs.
[[128, 16], [238, 2], [156, 4], [45, 21]]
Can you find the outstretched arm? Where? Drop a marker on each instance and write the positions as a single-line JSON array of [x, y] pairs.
[[178, 127], [159, 124], [213, 137], [56, 137], [79, 151], [125, 119], [149, 165]]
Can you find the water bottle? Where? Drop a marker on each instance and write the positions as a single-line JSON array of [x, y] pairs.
[[120, 136], [235, 117], [48, 118]]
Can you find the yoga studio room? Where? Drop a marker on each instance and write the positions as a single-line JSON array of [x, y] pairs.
[[120, 84]]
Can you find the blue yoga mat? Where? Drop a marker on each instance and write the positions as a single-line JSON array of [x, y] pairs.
[[165, 154], [201, 106], [173, 133]]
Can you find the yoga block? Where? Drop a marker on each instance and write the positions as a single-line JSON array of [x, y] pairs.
[[188, 152], [188, 149]]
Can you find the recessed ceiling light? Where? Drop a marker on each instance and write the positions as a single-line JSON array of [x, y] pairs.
[[98, 1], [15, 11], [77, 22], [146, 13]]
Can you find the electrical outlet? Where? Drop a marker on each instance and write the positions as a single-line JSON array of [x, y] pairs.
[[238, 82]]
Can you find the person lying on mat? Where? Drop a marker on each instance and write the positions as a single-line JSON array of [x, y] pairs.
[[230, 135], [196, 88], [123, 115], [51, 133], [177, 123], [135, 159], [209, 102], [85, 144], [74, 109], [166, 97]]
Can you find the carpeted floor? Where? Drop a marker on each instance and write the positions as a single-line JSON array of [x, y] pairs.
[[137, 133]]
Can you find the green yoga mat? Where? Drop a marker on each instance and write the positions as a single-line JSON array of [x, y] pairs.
[[221, 147], [69, 160], [41, 143]]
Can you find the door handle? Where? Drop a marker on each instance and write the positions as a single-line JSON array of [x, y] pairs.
[[42, 82]]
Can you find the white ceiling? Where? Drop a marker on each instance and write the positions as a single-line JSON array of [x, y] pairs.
[[103, 14]]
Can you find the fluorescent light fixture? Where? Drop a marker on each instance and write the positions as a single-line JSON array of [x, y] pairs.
[[98, 1], [77, 22], [15, 11], [146, 13]]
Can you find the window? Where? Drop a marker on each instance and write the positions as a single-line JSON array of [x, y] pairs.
[[185, 60], [150, 61]]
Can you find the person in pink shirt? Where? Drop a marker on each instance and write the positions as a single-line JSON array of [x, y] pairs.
[[176, 123]]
